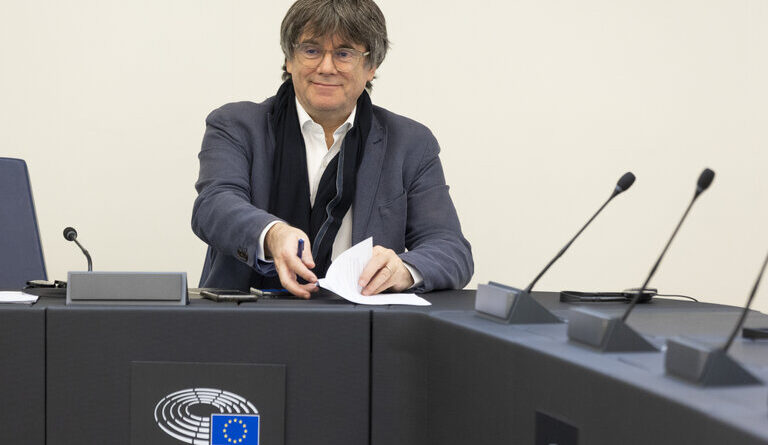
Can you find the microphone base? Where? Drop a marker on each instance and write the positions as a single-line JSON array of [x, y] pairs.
[[510, 305], [605, 333], [127, 288], [704, 365]]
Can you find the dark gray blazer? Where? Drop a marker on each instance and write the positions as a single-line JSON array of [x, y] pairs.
[[401, 198]]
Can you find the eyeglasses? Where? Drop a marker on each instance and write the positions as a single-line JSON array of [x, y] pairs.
[[345, 59]]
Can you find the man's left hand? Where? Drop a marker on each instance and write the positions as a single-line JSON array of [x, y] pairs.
[[385, 271]]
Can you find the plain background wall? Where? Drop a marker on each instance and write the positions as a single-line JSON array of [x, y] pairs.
[[539, 107]]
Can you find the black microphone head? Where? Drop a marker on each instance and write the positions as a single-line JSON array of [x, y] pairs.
[[626, 181], [705, 180], [70, 234]]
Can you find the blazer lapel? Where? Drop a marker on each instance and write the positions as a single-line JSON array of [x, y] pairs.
[[368, 180]]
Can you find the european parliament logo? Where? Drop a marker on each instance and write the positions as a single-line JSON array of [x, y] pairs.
[[231, 429], [236, 424]]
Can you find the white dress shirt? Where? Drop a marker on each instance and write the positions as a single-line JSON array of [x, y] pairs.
[[318, 158]]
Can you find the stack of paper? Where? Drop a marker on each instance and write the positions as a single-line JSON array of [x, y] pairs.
[[16, 297], [345, 271]]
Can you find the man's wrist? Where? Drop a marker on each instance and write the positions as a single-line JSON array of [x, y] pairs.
[[415, 275], [264, 254]]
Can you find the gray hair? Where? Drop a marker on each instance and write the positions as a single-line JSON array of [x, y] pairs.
[[358, 21]]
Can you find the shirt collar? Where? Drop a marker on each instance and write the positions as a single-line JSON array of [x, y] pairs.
[[305, 119]]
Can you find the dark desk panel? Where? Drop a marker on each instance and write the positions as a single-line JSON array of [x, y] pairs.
[[496, 382], [22, 374], [399, 377], [325, 350], [453, 377], [399, 367]]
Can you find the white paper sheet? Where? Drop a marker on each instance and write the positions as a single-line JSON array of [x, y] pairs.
[[345, 271], [16, 297]]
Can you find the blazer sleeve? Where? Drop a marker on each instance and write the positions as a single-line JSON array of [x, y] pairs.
[[436, 246], [223, 215]]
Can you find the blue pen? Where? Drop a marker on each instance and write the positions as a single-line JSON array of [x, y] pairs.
[[301, 250]]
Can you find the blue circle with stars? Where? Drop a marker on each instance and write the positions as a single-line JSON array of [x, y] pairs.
[[235, 431]]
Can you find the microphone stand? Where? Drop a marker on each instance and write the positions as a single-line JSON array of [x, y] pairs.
[[705, 365], [746, 308], [562, 251], [516, 306], [70, 234], [612, 334], [639, 293], [87, 255]]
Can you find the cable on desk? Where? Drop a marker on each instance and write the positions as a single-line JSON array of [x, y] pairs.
[[677, 296]]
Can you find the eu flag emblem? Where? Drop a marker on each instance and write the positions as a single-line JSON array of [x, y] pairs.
[[234, 429]]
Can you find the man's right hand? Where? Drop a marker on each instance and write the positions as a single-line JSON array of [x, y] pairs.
[[282, 244]]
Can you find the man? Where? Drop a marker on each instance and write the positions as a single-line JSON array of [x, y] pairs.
[[320, 165]]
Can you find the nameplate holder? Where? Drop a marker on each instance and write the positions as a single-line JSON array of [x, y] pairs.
[[704, 365], [605, 332], [131, 288], [506, 304]]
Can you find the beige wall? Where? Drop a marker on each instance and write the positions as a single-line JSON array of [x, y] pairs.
[[539, 107]]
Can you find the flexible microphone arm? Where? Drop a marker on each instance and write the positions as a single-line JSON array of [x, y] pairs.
[[705, 179], [70, 234], [746, 308], [87, 255], [622, 185]]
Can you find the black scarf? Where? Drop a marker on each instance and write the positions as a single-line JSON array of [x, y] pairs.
[[289, 195]]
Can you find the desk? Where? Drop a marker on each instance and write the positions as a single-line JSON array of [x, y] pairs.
[[325, 348], [22, 374], [381, 375], [464, 379]]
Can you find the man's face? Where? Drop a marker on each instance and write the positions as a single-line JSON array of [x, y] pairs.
[[324, 91]]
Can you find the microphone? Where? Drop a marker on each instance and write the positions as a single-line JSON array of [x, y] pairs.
[[746, 308], [624, 183], [705, 180], [705, 365], [610, 333], [515, 306], [70, 234]]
